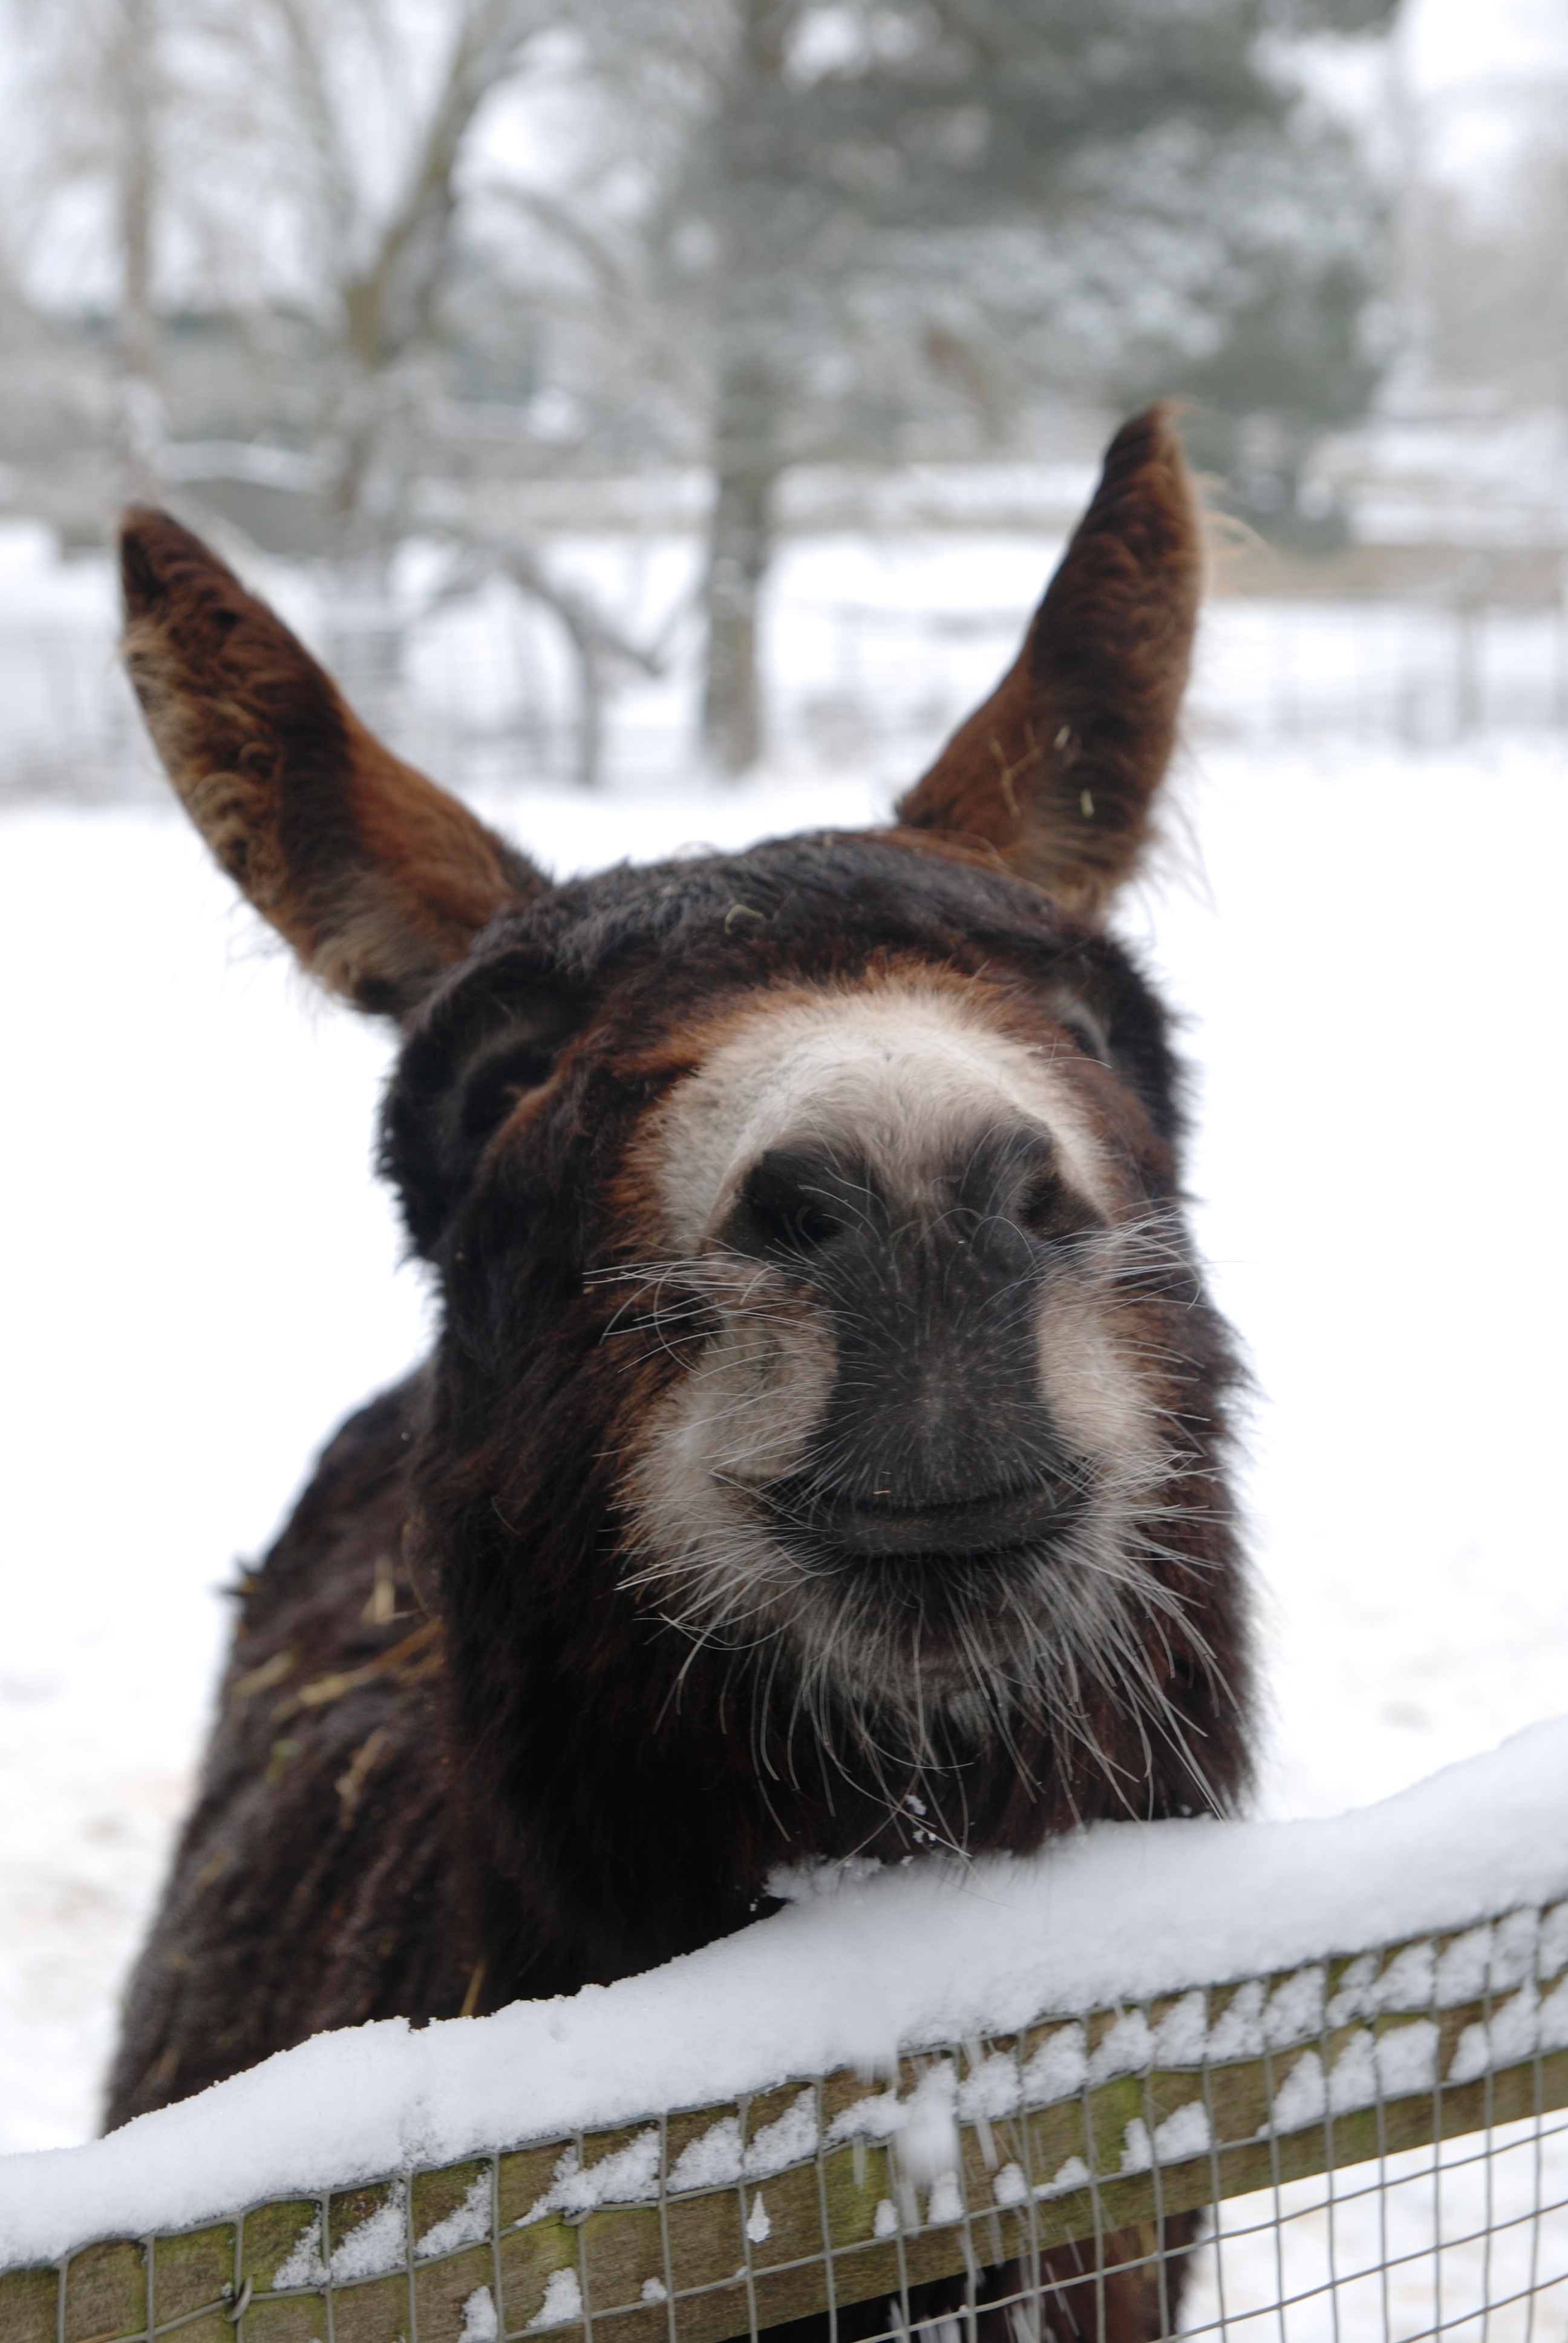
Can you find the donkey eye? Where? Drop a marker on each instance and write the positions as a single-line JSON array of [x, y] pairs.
[[1089, 1035], [494, 1089]]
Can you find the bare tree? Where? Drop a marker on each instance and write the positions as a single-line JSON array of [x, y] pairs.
[[373, 246], [94, 75], [133, 61]]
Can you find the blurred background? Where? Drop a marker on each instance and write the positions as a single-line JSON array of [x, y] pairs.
[[662, 414], [570, 356]]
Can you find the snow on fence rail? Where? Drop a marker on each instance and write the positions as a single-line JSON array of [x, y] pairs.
[[723, 2220], [1413, 2082]]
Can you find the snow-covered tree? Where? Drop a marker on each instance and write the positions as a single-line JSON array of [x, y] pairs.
[[882, 226]]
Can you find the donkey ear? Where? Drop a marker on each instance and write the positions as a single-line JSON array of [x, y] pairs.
[[378, 879], [1057, 770]]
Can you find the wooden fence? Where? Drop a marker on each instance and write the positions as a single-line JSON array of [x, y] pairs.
[[834, 2190]]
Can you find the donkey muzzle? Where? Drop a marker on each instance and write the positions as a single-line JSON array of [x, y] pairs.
[[851, 1527]]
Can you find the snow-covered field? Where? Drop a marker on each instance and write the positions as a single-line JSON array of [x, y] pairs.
[[201, 1278]]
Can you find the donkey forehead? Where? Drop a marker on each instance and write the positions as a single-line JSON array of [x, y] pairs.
[[902, 1078]]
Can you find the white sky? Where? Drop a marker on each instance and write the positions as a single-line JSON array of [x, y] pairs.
[[1477, 74], [1456, 45]]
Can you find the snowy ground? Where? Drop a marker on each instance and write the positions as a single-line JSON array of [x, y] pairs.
[[201, 1279]]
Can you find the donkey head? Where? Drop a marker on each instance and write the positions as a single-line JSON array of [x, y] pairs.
[[826, 1427]]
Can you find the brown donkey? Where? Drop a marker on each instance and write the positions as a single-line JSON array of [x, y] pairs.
[[824, 1450]]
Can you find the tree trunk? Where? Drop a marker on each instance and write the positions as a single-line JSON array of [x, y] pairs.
[[140, 420], [590, 701], [740, 543]]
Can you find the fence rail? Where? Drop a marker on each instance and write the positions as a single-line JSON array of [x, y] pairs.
[[1081, 2133]]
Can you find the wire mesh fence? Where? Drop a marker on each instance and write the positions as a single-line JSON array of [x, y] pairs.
[[485, 691], [1370, 2146]]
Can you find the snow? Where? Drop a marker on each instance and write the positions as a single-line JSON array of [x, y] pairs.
[[480, 2323], [468, 2224], [563, 2299], [861, 1964]]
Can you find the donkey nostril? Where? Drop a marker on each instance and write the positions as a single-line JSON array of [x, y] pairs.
[[785, 1208], [1039, 1207], [1048, 1209], [809, 1226]]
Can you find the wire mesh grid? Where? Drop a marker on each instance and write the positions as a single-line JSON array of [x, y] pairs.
[[1363, 2146], [1468, 2238]]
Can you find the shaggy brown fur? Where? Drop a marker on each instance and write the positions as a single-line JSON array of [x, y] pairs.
[[824, 1450], [377, 879], [1057, 770], [317, 1883]]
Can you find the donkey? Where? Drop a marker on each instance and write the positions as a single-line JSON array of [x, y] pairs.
[[823, 1451]]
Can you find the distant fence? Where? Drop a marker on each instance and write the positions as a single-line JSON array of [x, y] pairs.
[[1425, 673], [490, 694], [1380, 2137], [1422, 673], [68, 723]]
